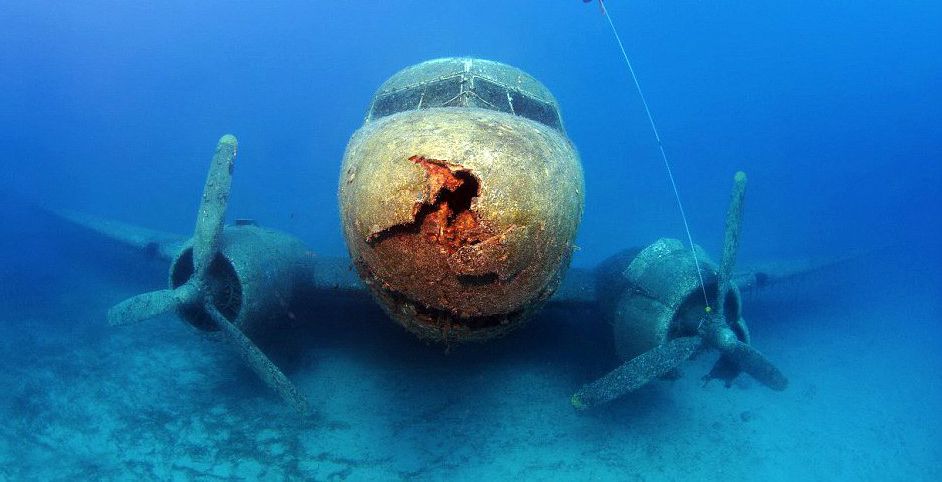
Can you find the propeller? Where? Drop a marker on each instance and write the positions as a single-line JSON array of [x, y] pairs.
[[207, 240], [713, 332]]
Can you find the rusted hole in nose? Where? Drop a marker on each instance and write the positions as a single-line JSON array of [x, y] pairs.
[[445, 218]]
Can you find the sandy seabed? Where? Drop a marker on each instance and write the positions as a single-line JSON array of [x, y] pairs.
[[158, 401]]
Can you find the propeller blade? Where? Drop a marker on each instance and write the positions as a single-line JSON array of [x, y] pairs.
[[148, 305], [731, 238], [756, 364], [259, 362], [724, 369], [636, 372], [212, 211]]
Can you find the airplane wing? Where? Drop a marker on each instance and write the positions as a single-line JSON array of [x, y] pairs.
[[149, 241], [766, 274], [335, 273]]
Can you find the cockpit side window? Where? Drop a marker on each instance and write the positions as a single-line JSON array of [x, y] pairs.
[[491, 95], [465, 91], [441, 93], [533, 109], [398, 101]]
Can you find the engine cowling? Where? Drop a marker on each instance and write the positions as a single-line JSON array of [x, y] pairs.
[[254, 280]]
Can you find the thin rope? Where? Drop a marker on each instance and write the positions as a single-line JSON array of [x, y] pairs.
[[660, 145]]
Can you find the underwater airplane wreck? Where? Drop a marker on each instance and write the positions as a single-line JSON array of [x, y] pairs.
[[460, 198]]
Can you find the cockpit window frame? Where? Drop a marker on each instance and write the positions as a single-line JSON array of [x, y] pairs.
[[465, 93]]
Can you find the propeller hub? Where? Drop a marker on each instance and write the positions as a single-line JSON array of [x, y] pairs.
[[221, 286], [718, 334]]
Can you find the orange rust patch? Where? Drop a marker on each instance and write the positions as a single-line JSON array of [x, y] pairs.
[[447, 272], [434, 260], [447, 221], [439, 173]]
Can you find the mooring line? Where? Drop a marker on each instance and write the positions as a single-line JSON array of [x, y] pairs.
[[660, 145]]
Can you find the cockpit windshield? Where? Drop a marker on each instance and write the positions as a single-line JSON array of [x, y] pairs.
[[469, 87]]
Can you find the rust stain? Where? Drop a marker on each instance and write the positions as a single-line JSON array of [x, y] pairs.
[[445, 217], [446, 259]]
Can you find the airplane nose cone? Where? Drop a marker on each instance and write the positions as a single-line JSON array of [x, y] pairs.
[[460, 220]]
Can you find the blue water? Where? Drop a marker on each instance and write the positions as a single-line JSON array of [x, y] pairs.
[[834, 110]]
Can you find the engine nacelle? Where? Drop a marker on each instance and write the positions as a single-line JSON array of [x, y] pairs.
[[653, 295], [253, 281]]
